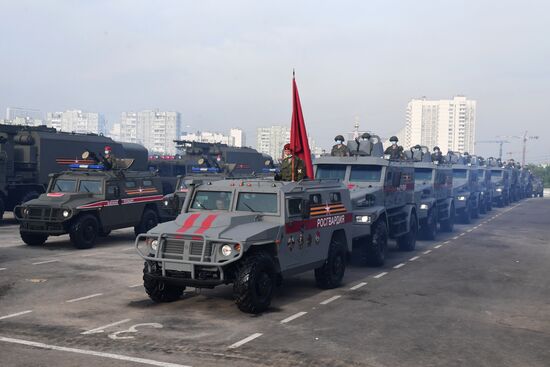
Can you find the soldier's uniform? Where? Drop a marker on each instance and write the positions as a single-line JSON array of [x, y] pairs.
[[109, 160], [395, 151], [339, 150], [286, 169]]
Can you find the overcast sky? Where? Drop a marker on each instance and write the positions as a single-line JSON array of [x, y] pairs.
[[229, 63]]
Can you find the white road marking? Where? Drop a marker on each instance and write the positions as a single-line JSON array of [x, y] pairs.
[[462, 234], [398, 266], [455, 237], [135, 285], [293, 317], [102, 328], [437, 246], [93, 254], [414, 258], [380, 275], [470, 230], [446, 242], [45, 262], [2, 269], [85, 297], [357, 286], [327, 301], [15, 314], [245, 340], [427, 252], [119, 357]]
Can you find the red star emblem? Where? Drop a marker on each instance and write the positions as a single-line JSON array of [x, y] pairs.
[[327, 208]]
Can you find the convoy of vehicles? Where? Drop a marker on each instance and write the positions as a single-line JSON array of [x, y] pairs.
[[466, 190]]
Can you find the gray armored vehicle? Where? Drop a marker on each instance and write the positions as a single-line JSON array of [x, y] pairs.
[[515, 188], [526, 183], [538, 187], [485, 184], [382, 194], [500, 177], [433, 189], [87, 202], [465, 185], [251, 233]]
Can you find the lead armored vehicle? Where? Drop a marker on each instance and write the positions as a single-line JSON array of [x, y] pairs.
[[382, 195], [465, 185], [433, 185], [88, 202], [252, 233]]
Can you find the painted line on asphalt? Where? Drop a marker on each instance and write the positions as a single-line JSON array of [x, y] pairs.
[[245, 340], [135, 285], [45, 262], [470, 230], [93, 254], [462, 234], [414, 258], [446, 242], [119, 357], [380, 275], [15, 314], [85, 297], [2, 269], [102, 328], [357, 286], [437, 246], [399, 266], [329, 300], [455, 238], [427, 251], [293, 317]]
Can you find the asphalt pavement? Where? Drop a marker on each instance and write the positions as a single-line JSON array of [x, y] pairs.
[[477, 297]]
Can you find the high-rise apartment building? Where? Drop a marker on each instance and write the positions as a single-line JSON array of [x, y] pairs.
[[237, 137], [77, 121], [271, 140], [449, 124]]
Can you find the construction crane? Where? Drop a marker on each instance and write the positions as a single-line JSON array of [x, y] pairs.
[[499, 142], [524, 139]]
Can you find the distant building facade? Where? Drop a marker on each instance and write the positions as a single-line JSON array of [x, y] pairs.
[[23, 116], [449, 124], [77, 121], [271, 140], [237, 137]]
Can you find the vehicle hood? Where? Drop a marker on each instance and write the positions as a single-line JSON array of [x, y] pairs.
[[221, 225], [59, 200]]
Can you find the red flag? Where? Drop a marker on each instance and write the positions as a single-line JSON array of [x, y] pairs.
[[298, 134]]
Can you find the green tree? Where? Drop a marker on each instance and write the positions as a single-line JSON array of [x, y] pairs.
[[541, 171]]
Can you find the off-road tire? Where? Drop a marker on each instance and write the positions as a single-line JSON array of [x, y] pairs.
[[254, 283], [330, 274], [372, 250], [475, 211], [160, 291], [84, 231], [407, 242], [466, 215], [149, 219], [448, 224], [33, 239], [489, 206], [2, 208], [428, 231], [483, 207]]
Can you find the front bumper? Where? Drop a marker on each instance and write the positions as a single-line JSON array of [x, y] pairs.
[[49, 228]]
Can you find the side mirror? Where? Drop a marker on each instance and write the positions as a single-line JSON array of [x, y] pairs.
[[306, 208]]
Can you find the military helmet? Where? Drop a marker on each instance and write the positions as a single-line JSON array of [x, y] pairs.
[[365, 136], [436, 148], [394, 138], [339, 137]]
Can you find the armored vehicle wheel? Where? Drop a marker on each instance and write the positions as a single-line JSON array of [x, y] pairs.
[[489, 206], [466, 215], [254, 283], [33, 239], [407, 242], [160, 291], [448, 224], [84, 231], [429, 229], [2, 209], [149, 220], [373, 253], [482, 207], [331, 273], [475, 212]]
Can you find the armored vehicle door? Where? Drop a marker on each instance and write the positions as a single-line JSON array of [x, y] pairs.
[[297, 212], [113, 214]]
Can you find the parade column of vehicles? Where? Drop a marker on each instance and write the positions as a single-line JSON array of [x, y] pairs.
[[88, 202]]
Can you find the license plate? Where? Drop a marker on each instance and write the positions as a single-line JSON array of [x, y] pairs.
[[178, 266]]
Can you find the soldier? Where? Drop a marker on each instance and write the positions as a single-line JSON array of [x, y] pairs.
[[436, 155], [286, 166], [339, 149], [109, 160], [395, 151]]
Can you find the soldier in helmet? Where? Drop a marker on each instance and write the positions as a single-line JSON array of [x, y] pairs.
[[395, 151], [339, 149], [291, 160], [108, 160], [436, 155]]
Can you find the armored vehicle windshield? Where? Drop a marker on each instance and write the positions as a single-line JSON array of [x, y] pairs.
[[460, 174], [423, 174]]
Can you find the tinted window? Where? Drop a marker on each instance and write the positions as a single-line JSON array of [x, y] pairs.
[[212, 200], [335, 197], [460, 173], [130, 184], [94, 187], [257, 202], [315, 199], [365, 173], [423, 174], [334, 171], [61, 185], [294, 206], [496, 173], [147, 183]]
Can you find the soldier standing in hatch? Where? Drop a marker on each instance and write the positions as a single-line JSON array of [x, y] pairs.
[[109, 160], [395, 151], [339, 149], [436, 155], [287, 164]]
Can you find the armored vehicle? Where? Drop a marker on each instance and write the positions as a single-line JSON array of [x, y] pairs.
[[382, 195], [29, 154], [465, 185], [538, 187], [500, 178], [514, 181], [485, 185], [526, 183], [433, 189], [250, 233], [88, 202]]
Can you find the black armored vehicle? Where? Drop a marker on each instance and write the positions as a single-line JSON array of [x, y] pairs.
[[466, 190], [88, 202], [433, 192], [485, 184], [382, 196], [252, 233], [500, 178], [538, 187]]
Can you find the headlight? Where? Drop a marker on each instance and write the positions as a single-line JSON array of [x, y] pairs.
[[424, 206], [226, 250], [462, 198], [153, 243], [166, 202], [363, 219], [26, 212], [66, 213], [499, 189]]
